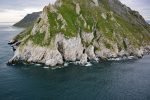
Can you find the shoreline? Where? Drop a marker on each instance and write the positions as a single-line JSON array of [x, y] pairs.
[[145, 51], [66, 64]]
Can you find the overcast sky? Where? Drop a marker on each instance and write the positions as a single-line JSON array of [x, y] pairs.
[[14, 10]]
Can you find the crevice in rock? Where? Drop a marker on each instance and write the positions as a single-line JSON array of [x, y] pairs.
[[60, 49]]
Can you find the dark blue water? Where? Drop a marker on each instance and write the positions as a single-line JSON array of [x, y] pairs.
[[124, 80]]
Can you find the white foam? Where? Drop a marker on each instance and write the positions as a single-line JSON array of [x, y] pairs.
[[88, 64], [46, 67], [66, 64], [25, 63], [131, 57], [118, 59], [37, 64], [76, 63], [57, 67], [114, 59]]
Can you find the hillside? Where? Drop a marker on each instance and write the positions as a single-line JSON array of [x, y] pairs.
[[83, 30], [28, 20]]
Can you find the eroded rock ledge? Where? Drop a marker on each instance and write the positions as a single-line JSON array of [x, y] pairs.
[[71, 50]]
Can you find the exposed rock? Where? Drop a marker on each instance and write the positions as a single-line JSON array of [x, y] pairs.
[[78, 9], [104, 53], [53, 58], [64, 23], [73, 49], [12, 42], [123, 53], [139, 53], [87, 37], [104, 15], [96, 2], [32, 53], [90, 52], [146, 50], [58, 3], [83, 60]]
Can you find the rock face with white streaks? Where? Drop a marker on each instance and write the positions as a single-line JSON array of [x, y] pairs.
[[82, 31], [83, 59], [63, 49]]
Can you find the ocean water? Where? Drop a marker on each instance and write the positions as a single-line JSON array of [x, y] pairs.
[[122, 80]]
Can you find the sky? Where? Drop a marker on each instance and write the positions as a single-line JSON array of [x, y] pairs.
[[15, 10]]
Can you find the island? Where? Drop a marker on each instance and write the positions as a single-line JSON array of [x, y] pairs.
[[81, 31]]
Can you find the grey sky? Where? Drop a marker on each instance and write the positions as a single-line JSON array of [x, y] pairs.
[[14, 10], [21, 4]]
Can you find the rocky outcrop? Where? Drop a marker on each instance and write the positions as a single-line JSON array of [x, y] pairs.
[[72, 30], [63, 49], [83, 59]]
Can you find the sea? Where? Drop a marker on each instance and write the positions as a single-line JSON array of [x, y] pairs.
[[112, 80]]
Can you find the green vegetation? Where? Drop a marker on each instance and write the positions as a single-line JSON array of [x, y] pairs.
[[105, 4], [23, 34], [69, 14], [52, 17], [108, 45], [113, 26], [38, 38]]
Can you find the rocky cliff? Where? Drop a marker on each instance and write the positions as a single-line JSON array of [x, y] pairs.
[[28, 20], [83, 30]]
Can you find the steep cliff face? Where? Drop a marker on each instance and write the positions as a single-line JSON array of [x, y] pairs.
[[28, 20], [82, 30]]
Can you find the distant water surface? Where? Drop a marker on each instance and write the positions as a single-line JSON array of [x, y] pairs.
[[123, 80]]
